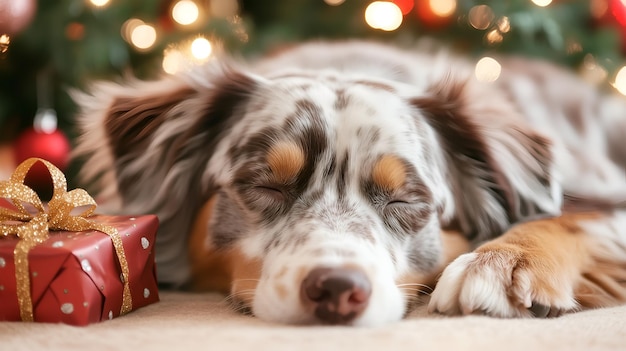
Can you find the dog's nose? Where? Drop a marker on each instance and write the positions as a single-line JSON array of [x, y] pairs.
[[338, 295]]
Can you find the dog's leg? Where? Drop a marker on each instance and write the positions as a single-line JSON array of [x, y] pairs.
[[540, 268]]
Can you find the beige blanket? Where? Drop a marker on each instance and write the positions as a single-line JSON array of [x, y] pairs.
[[204, 322]]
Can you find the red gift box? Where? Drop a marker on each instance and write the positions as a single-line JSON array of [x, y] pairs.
[[96, 269], [75, 276]]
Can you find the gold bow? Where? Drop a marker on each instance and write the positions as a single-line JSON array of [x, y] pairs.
[[32, 228]]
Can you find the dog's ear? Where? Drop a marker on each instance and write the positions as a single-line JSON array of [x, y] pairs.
[[146, 146], [499, 169]]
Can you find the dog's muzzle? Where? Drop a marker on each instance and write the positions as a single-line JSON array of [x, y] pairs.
[[336, 295]]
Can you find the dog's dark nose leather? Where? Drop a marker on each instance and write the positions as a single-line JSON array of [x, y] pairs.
[[338, 295]]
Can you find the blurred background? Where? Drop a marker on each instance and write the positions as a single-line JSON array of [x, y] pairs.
[[49, 47]]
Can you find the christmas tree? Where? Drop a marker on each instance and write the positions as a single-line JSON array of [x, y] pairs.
[[50, 47]]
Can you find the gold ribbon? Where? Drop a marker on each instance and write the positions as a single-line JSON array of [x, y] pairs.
[[32, 228]]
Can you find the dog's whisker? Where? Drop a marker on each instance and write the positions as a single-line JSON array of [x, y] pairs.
[[419, 298], [413, 289], [241, 293], [239, 301], [413, 301], [242, 308], [415, 285], [416, 298], [238, 297], [416, 293]]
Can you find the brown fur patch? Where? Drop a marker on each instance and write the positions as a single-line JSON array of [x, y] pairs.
[[220, 270], [454, 244], [286, 160], [389, 173], [555, 250], [602, 286], [132, 121], [245, 276], [210, 268], [553, 237], [603, 283], [231, 91]]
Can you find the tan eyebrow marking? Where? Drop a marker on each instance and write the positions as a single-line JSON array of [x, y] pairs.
[[286, 160], [389, 173]]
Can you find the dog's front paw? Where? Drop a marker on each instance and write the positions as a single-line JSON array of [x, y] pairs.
[[504, 282]]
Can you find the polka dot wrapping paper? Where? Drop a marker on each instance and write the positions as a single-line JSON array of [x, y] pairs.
[[76, 277]]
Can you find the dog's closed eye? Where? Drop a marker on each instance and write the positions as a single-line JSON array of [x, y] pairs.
[[399, 195], [407, 197], [272, 192], [397, 202], [285, 160]]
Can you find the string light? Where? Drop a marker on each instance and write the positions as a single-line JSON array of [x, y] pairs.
[[201, 48], [487, 69], [383, 15], [542, 3], [99, 3], [185, 12], [334, 2], [480, 17], [5, 40], [129, 26], [185, 55], [143, 36], [442, 8], [494, 37], [173, 61], [504, 25], [620, 81]]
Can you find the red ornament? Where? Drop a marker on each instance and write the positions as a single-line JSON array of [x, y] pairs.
[[435, 13], [618, 9], [53, 147], [405, 5], [15, 15]]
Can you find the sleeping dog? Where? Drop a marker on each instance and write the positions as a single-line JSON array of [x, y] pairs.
[[336, 183]]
